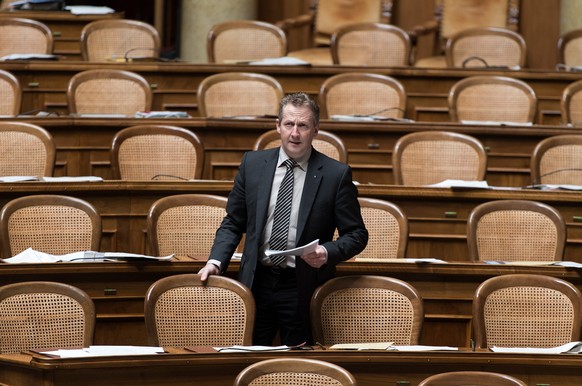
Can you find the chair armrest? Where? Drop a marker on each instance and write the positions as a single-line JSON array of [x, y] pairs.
[[296, 22], [429, 27]]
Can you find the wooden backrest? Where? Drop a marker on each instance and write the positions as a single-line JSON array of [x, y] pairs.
[[457, 16], [182, 311], [24, 36], [571, 104], [185, 224], [10, 94], [486, 47], [370, 44], [27, 150], [108, 91], [356, 93], [156, 152], [294, 371], [44, 315], [557, 160], [232, 94], [325, 142], [52, 224], [349, 309], [515, 230], [428, 157], [492, 98], [526, 310], [474, 378], [570, 48], [387, 226], [119, 40], [237, 40]]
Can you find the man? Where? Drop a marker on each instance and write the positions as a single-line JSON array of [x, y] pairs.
[[323, 199]]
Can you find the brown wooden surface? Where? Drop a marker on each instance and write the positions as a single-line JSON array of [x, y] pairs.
[[370, 368], [83, 144], [66, 28], [175, 84], [437, 219]]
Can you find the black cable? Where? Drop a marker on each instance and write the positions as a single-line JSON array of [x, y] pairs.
[[535, 182]]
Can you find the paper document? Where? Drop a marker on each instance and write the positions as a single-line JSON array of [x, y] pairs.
[[88, 10], [239, 349], [362, 346], [100, 351], [572, 348], [162, 114], [426, 260], [367, 118], [29, 57], [299, 251], [424, 348], [460, 184], [31, 256], [555, 187], [496, 123], [522, 263], [282, 61]]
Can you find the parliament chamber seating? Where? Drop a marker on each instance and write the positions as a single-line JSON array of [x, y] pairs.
[[44, 315], [526, 310], [366, 308], [107, 92], [24, 36], [294, 371], [27, 150], [119, 40], [245, 40], [557, 160], [516, 230], [570, 48], [182, 311], [156, 152], [571, 104], [474, 378], [10, 94], [49, 223]]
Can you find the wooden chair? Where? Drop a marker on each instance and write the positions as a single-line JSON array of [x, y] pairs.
[[294, 371], [325, 142], [526, 310], [350, 309], [475, 378], [428, 157], [571, 104], [44, 315], [454, 16], [570, 48], [24, 36], [325, 17], [239, 40], [492, 98], [388, 229], [156, 152], [10, 94], [515, 230], [557, 160], [119, 40], [108, 91], [185, 224], [370, 44], [52, 224], [233, 94], [27, 150], [367, 94], [486, 47], [182, 311]]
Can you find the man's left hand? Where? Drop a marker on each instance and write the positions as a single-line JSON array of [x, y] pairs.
[[317, 258]]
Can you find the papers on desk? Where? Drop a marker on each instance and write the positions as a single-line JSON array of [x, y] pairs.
[[460, 184], [389, 346], [495, 123], [367, 118], [299, 251], [32, 256], [238, 349], [105, 351], [51, 179], [555, 187], [88, 10], [568, 348], [162, 114], [102, 116], [28, 57], [424, 260], [568, 264], [282, 61]]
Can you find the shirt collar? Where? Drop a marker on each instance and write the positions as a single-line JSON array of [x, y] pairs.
[[301, 162]]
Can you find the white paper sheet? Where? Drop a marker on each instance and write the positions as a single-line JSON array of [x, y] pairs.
[[571, 347], [99, 351], [299, 251], [424, 348], [362, 346], [32, 256], [460, 184], [425, 260], [237, 348]]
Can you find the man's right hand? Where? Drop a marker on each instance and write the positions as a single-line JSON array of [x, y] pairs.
[[207, 270]]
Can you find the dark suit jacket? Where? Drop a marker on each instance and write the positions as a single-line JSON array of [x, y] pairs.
[[329, 200]]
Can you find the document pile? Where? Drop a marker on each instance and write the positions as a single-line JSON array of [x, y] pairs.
[[32, 256], [389, 346], [104, 351], [568, 348]]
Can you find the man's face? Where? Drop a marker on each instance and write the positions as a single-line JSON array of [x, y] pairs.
[[297, 130]]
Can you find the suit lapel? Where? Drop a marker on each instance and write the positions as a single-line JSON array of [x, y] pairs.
[[313, 179], [267, 170]]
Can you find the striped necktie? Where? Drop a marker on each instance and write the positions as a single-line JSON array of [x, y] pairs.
[[280, 230]]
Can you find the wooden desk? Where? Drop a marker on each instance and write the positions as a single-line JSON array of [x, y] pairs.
[[175, 85], [370, 368], [83, 144], [66, 28]]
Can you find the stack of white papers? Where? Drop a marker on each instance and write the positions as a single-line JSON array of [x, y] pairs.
[[568, 264], [105, 351], [425, 260], [32, 256], [29, 57], [389, 346], [460, 184], [88, 10], [569, 348], [51, 179], [237, 348], [299, 251], [496, 123]]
